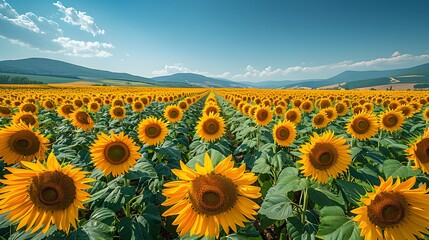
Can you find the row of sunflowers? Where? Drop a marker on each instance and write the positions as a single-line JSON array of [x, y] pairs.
[[112, 162]]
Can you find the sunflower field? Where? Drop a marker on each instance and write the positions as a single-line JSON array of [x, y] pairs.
[[187, 163]]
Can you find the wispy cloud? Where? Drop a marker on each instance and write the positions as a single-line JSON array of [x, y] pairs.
[[179, 68], [78, 18], [270, 72], [83, 49]]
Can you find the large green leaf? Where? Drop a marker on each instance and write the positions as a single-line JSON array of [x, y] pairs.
[[323, 197], [334, 224], [132, 229], [351, 190], [104, 215], [395, 169], [290, 181], [276, 205]]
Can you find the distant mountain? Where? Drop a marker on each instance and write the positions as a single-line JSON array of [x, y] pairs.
[[277, 83], [345, 79], [200, 81], [55, 68]]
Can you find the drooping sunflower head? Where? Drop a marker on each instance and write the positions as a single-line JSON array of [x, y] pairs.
[[210, 127], [152, 131], [19, 142], [284, 133], [294, 115], [363, 126], [325, 156], [114, 154], [138, 106], [320, 120], [47, 195], [208, 198], [419, 152], [391, 120], [26, 118], [173, 113], [28, 107], [5, 112], [211, 108], [81, 119], [65, 110], [263, 116], [94, 106], [118, 112], [394, 211]]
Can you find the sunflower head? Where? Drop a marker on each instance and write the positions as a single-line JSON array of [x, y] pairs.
[[152, 131], [48, 104], [65, 110], [284, 133], [183, 105], [5, 112], [324, 156], [20, 143], [138, 106], [114, 154], [279, 110], [391, 120], [341, 108], [394, 210], [173, 113], [211, 108], [307, 106], [331, 113], [294, 115], [28, 107], [48, 194], [210, 127], [210, 198], [362, 126], [426, 114], [320, 120], [118, 112], [81, 119], [94, 106], [419, 152]]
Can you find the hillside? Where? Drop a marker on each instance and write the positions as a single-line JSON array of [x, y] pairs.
[[200, 81]]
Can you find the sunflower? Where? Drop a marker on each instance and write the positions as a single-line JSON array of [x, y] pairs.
[[391, 120], [324, 156], [307, 106], [362, 126], [263, 116], [114, 154], [208, 198], [211, 108], [81, 119], [359, 109], [407, 111], [183, 105], [152, 131], [19, 142], [44, 195], [341, 108], [65, 110], [294, 115], [173, 113], [279, 110], [5, 112], [284, 133], [94, 106], [211, 127], [331, 113], [138, 106], [25, 117], [28, 107], [419, 152], [117, 112], [426, 114], [320, 120], [48, 104], [394, 211]]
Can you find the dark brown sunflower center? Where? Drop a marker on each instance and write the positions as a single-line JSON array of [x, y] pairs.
[[422, 151], [67, 109], [405, 111], [153, 130], [323, 156], [360, 125], [116, 153], [82, 117], [49, 104], [211, 126], [138, 105], [118, 112], [282, 133], [318, 120], [52, 191], [306, 106], [212, 194], [183, 105], [390, 120], [262, 115], [28, 119], [387, 209], [339, 108], [5, 110], [29, 108], [329, 114], [94, 106], [24, 142], [174, 113], [211, 109], [291, 116]]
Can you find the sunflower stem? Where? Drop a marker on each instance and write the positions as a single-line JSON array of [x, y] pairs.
[[128, 205], [379, 139], [304, 206]]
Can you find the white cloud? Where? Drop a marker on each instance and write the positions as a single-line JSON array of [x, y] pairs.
[[270, 72], [179, 68], [29, 20], [78, 18], [83, 49]]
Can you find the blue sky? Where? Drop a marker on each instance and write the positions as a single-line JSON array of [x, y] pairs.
[[251, 40]]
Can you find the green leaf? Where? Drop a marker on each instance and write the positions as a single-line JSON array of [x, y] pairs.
[[104, 215], [395, 169], [143, 169], [323, 197], [131, 229], [351, 190], [290, 181], [170, 149], [98, 230], [261, 165], [334, 224], [398, 146], [276, 205]]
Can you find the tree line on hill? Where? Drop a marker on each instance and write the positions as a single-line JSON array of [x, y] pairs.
[[6, 79]]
